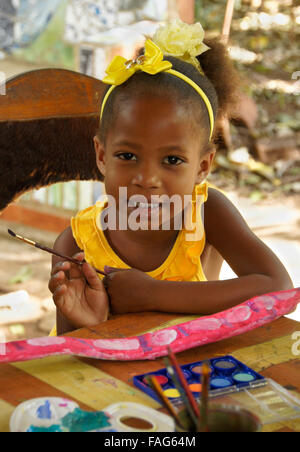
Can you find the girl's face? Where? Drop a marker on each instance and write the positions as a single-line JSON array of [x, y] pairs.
[[153, 148]]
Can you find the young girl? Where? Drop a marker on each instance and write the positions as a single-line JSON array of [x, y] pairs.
[[156, 138]]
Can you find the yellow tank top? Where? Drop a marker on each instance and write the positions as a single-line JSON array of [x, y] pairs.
[[182, 264]]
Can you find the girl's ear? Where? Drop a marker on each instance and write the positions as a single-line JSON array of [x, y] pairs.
[[205, 166], [100, 155]]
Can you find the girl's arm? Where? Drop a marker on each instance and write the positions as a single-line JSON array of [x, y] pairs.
[[258, 269]]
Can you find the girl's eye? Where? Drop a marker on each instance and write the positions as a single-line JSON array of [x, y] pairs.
[[126, 156], [173, 160]]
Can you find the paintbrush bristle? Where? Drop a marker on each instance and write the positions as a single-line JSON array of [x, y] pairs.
[[11, 233]]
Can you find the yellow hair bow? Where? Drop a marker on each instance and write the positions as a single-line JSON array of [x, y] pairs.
[[151, 62]]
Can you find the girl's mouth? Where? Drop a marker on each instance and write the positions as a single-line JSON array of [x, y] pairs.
[[146, 209], [144, 205]]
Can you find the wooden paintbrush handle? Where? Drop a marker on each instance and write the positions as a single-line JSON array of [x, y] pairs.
[[68, 258]]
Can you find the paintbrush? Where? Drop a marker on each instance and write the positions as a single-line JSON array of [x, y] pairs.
[[181, 391], [184, 383], [51, 251], [205, 379], [153, 383]]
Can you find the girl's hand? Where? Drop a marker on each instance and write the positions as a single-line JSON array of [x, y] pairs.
[[129, 290], [78, 293]]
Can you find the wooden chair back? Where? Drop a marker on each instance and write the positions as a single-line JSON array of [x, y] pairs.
[[48, 118]]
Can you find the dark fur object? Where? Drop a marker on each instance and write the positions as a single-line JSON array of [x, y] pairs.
[[42, 152]]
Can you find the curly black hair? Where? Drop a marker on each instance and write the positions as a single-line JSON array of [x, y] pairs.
[[219, 82]]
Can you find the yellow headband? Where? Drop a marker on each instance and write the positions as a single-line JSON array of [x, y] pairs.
[[152, 62]]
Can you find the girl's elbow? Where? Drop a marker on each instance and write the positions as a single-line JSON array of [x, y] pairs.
[[288, 285], [281, 284]]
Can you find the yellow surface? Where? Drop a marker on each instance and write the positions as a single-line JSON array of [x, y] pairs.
[[262, 356], [172, 323], [84, 383], [6, 411], [293, 425]]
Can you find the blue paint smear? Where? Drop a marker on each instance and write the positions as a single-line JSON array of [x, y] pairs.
[[78, 421], [253, 306], [143, 344], [226, 323], [84, 343], [44, 412], [52, 429], [185, 333], [18, 346], [84, 421]]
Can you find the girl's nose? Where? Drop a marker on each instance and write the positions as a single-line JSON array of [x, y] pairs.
[[147, 177]]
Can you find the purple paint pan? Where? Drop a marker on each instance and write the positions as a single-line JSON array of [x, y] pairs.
[[196, 370], [224, 366]]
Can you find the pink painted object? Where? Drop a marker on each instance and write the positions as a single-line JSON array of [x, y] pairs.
[[247, 316]]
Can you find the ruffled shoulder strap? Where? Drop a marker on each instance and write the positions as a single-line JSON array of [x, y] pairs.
[[194, 215], [91, 239], [202, 190], [184, 261], [83, 224]]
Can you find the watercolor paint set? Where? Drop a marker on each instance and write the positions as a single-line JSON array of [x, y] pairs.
[[227, 375], [232, 383]]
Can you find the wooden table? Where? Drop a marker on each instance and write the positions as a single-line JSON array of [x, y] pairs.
[[95, 384]]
